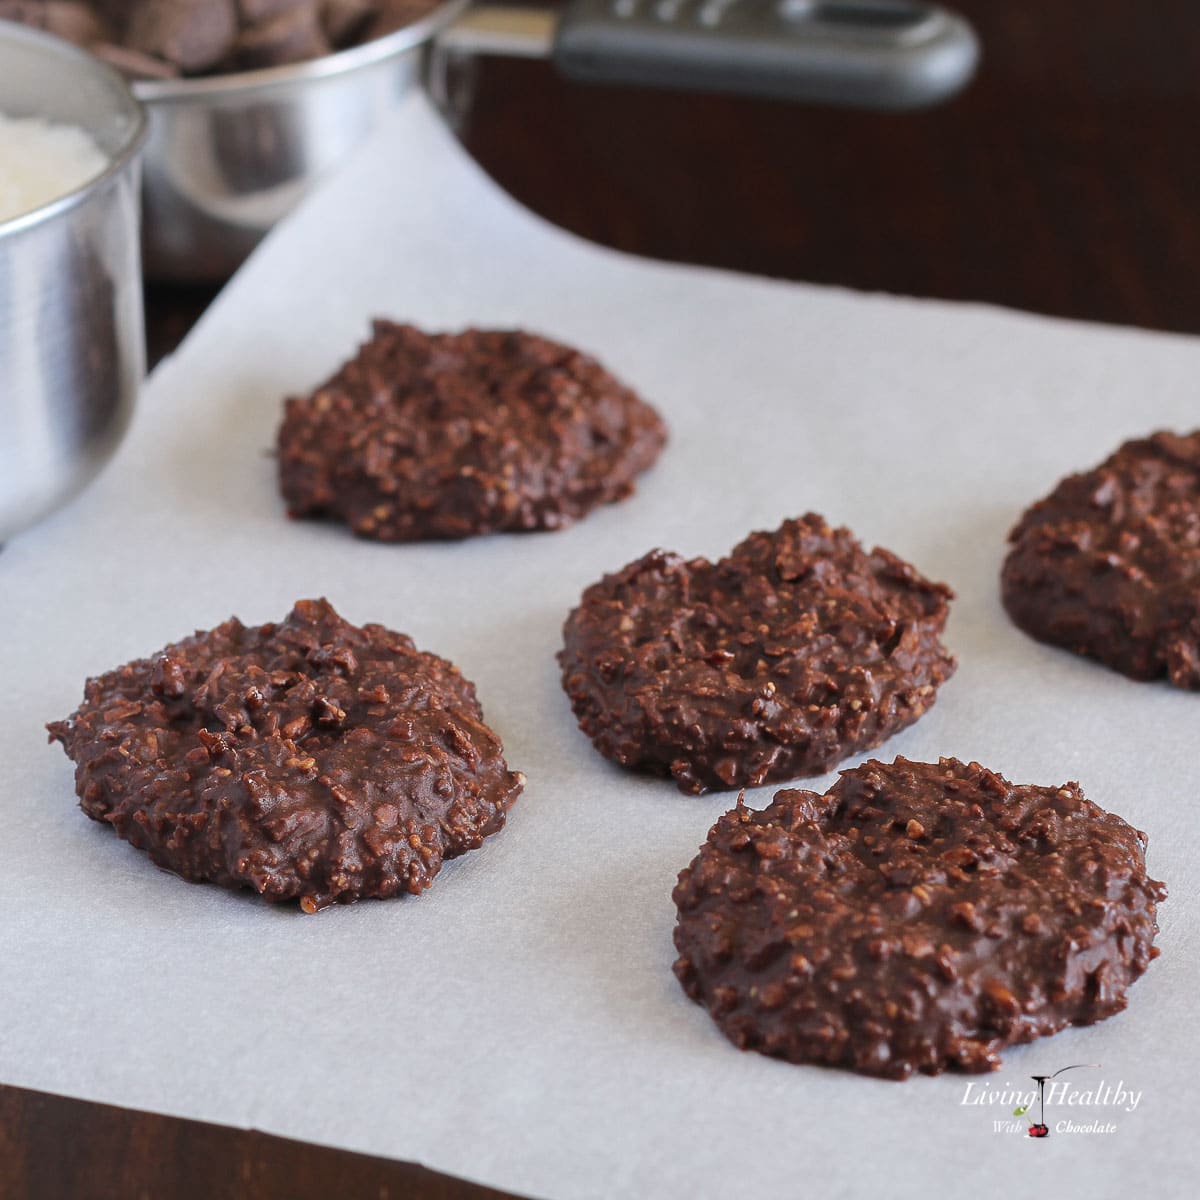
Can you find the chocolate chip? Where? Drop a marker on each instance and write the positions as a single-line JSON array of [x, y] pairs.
[[75, 22], [253, 12], [293, 36], [134, 64], [195, 35], [345, 20], [25, 12], [160, 39]]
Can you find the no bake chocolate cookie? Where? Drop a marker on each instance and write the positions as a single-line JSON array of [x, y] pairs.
[[310, 760], [797, 650], [1108, 565], [448, 435], [915, 917]]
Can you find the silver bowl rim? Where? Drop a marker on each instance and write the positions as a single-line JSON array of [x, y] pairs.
[[240, 83], [12, 32]]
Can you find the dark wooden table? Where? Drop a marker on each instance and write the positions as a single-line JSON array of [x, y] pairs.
[[1067, 181]]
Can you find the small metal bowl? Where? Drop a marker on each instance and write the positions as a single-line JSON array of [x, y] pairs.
[[229, 155], [72, 347]]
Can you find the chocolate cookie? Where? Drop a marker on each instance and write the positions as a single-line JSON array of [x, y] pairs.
[[914, 918], [311, 759], [1108, 565], [779, 661], [448, 435]]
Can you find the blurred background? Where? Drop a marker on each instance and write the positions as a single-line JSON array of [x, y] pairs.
[[1065, 180]]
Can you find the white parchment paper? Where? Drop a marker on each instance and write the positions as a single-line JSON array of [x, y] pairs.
[[519, 1024]]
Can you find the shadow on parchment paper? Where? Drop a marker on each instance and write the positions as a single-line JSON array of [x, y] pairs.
[[966, 550], [117, 867], [608, 929], [223, 466]]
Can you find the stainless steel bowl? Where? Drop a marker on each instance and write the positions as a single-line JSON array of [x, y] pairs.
[[228, 155], [72, 348]]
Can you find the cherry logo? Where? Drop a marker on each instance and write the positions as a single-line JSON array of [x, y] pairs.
[[1040, 1129]]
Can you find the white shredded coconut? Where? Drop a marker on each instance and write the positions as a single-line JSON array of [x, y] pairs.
[[40, 160]]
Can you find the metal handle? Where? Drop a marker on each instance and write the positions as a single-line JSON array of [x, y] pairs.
[[884, 54]]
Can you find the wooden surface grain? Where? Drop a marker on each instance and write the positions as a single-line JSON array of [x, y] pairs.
[[55, 1147], [1066, 181]]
